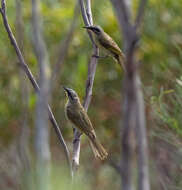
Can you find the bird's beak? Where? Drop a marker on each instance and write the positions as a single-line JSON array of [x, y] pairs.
[[65, 89], [89, 27]]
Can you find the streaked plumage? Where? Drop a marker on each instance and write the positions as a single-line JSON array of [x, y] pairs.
[[78, 116], [103, 40]]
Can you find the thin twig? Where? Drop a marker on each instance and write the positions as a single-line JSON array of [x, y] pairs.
[[32, 79]]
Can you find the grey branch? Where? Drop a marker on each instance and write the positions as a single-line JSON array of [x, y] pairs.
[[32, 79], [87, 20], [89, 83], [133, 106], [143, 173], [42, 133], [84, 13], [89, 12]]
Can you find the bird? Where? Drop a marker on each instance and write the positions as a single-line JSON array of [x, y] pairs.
[[76, 113], [104, 41]]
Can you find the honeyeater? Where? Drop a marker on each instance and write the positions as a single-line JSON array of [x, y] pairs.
[[78, 116], [104, 41]]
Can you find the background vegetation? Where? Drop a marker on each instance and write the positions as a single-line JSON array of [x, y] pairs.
[[161, 74]]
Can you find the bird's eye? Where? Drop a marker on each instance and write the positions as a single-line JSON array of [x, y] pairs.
[[96, 30]]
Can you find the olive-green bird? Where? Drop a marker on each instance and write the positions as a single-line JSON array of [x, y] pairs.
[[78, 116], [104, 41]]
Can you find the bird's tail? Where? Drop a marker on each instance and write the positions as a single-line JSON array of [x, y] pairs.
[[121, 61], [98, 149]]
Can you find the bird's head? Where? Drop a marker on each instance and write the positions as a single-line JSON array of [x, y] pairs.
[[71, 94], [97, 30]]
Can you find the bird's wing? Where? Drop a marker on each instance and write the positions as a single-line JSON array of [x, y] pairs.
[[108, 43], [82, 121]]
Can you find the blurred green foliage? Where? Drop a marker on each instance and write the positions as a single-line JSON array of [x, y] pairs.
[[161, 56]]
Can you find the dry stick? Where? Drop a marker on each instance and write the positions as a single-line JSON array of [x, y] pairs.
[[32, 80], [90, 80]]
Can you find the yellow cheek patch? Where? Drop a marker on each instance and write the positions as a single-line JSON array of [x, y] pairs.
[[66, 94]]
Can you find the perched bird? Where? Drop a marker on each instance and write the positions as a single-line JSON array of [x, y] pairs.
[[78, 116], [104, 41]]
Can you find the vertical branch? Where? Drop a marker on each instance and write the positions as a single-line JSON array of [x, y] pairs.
[[127, 141], [143, 173], [32, 79], [42, 134], [133, 109], [90, 80]]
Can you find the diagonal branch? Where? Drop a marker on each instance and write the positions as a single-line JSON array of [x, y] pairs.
[[84, 13], [140, 13], [32, 79], [89, 12], [87, 20], [89, 83]]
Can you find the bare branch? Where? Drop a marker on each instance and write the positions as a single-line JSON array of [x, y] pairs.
[[140, 13], [86, 20], [133, 106], [32, 80], [127, 141], [84, 13], [90, 79], [89, 12], [42, 134], [143, 173], [89, 84]]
